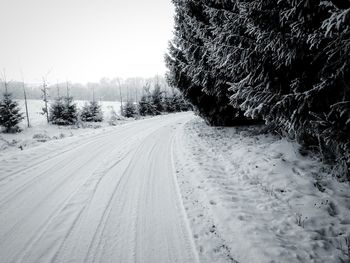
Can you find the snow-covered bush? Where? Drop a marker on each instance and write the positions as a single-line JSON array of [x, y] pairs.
[[91, 112], [146, 106], [159, 102], [114, 117], [63, 111], [10, 115], [129, 110], [56, 112]]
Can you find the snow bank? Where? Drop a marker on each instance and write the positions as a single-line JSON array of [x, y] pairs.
[[254, 198]]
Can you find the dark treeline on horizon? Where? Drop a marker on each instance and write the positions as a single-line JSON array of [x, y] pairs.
[[105, 90]]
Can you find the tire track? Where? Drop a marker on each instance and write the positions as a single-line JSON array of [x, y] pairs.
[[106, 200], [61, 212]]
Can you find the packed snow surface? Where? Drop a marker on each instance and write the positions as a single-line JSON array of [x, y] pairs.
[[108, 197], [169, 189]]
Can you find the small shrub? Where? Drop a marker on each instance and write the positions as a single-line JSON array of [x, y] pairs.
[[63, 111], [129, 110], [10, 115], [91, 112]]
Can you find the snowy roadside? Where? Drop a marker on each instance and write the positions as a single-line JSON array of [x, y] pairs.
[[41, 132], [36, 135], [253, 198]]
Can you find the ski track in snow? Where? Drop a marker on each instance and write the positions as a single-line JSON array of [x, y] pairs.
[[111, 197]]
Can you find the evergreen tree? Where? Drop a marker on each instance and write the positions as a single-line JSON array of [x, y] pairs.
[[146, 106], [96, 111], [129, 110], [180, 104], [286, 62], [157, 99], [169, 103], [63, 111], [57, 109], [91, 112], [10, 115], [70, 113], [204, 82], [175, 102], [85, 114]]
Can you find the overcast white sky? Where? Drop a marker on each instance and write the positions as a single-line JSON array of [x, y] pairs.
[[84, 40]]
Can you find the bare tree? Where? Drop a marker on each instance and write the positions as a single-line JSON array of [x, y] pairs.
[[67, 87], [58, 89], [5, 80], [45, 99], [136, 94], [127, 93], [25, 100], [120, 95]]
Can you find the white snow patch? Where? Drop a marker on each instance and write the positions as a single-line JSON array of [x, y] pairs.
[[254, 198]]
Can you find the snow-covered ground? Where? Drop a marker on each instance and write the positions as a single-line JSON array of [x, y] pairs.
[[108, 197], [253, 198], [40, 131], [35, 110], [169, 189]]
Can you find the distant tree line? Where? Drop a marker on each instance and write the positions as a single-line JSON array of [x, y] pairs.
[[284, 62], [63, 111], [106, 89], [155, 102]]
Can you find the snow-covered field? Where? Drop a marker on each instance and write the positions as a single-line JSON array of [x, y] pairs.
[[35, 110], [169, 189], [40, 131]]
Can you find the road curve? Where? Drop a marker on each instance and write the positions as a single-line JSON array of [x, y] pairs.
[[111, 197]]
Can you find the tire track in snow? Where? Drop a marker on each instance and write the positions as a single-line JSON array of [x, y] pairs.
[[60, 213], [84, 196], [96, 243], [76, 145], [79, 142], [116, 202], [101, 243], [84, 205], [57, 187]]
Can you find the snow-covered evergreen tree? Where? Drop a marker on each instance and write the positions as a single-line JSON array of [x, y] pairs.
[[129, 110], [286, 62], [146, 106], [70, 113], [175, 102], [204, 82], [169, 104], [91, 112], [96, 111], [63, 111], [56, 112], [157, 99], [10, 115]]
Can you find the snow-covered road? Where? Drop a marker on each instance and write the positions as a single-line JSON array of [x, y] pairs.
[[108, 197]]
